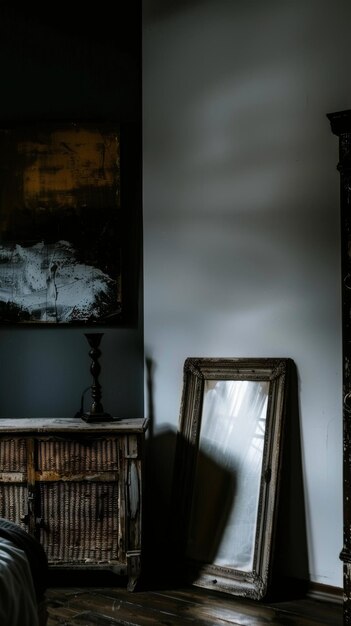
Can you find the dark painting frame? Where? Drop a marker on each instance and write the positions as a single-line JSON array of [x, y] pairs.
[[68, 228]]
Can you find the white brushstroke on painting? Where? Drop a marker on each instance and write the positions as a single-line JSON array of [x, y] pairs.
[[48, 282]]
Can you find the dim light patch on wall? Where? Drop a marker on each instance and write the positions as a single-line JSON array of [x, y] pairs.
[[60, 224]]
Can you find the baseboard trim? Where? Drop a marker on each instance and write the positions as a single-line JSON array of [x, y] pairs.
[[325, 593], [289, 587]]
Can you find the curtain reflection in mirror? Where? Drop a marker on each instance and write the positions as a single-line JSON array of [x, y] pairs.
[[225, 503]]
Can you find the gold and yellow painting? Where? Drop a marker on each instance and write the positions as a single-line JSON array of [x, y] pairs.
[[60, 224]]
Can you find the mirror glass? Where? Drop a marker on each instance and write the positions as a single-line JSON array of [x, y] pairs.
[[227, 466], [232, 433]]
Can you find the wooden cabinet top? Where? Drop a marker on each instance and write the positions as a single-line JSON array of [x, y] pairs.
[[72, 425]]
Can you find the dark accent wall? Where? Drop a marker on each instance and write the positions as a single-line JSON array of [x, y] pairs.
[[74, 61]]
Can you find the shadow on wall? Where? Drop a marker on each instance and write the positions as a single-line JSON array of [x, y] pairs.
[[158, 468], [291, 551], [166, 542]]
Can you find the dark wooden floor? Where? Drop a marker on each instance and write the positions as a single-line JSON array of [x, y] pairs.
[[186, 606]]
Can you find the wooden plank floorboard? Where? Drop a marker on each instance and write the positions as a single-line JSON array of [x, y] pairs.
[[244, 611], [187, 611], [133, 614], [119, 607], [180, 607]]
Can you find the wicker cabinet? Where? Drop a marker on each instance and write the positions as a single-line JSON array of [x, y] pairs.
[[77, 487]]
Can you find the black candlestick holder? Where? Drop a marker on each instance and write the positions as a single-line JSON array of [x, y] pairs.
[[96, 413]]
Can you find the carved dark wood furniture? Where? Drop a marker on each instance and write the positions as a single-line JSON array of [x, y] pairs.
[[341, 126], [77, 487]]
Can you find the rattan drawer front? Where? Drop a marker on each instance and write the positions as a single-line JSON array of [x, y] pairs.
[[13, 455], [80, 522], [77, 455], [14, 502]]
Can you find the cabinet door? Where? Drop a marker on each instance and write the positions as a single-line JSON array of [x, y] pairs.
[[14, 502], [78, 500]]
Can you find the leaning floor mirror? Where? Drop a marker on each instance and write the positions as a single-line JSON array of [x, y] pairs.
[[227, 467]]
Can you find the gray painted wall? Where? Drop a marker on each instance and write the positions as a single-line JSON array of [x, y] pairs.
[[241, 218], [241, 224]]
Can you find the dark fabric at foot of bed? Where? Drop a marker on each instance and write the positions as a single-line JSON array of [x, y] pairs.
[[34, 551]]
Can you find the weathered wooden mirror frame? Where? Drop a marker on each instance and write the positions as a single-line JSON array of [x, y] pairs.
[[254, 583]]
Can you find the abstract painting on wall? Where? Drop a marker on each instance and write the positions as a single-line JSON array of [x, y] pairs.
[[60, 224]]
